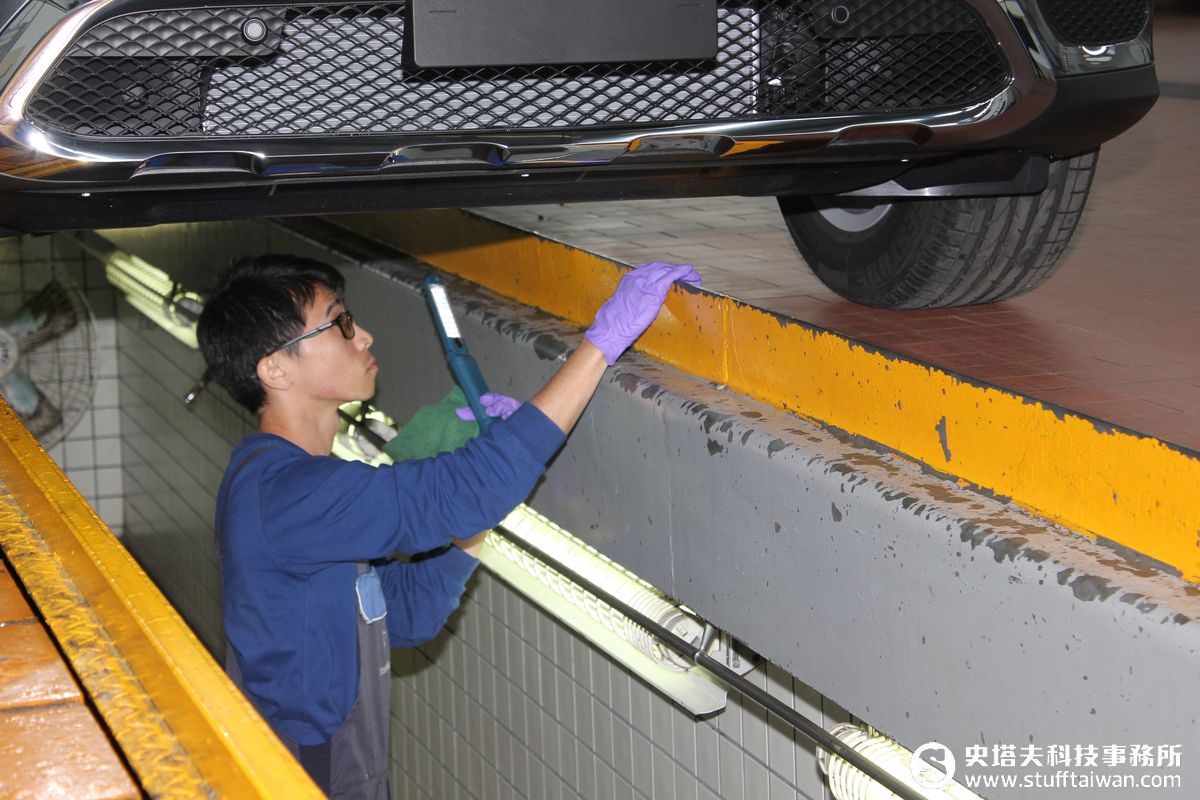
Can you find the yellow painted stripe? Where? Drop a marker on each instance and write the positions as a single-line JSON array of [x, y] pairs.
[[182, 725], [1132, 489]]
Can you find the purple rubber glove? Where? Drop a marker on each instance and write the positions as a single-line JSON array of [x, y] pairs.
[[634, 305], [494, 405]]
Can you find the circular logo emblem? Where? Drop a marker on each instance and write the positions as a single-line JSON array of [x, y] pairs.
[[932, 765]]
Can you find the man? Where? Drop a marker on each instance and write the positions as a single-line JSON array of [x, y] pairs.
[[311, 602]]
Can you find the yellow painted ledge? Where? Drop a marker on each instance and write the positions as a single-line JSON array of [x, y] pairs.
[[184, 728], [1132, 489]]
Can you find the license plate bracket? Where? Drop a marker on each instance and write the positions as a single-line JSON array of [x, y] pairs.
[[446, 34]]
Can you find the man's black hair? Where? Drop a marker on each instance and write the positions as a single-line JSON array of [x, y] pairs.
[[259, 303]]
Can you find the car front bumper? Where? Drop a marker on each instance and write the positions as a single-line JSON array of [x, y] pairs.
[[1056, 104]]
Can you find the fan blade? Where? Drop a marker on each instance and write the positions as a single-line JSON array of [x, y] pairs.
[[47, 315], [39, 414]]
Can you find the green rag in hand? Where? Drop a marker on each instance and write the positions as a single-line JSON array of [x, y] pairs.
[[433, 429]]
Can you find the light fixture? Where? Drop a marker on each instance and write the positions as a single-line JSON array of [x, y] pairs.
[[1102, 54], [150, 290], [848, 783], [364, 431], [643, 654]]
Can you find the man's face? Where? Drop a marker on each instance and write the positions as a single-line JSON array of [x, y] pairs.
[[329, 366]]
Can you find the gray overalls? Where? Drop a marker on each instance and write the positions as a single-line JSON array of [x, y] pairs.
[[354, 764]]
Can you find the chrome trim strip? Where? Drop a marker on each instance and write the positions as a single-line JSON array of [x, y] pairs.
[[1032, 37], [300, 157], [18, 91]]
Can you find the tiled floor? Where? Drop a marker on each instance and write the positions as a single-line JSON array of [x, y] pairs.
[[50, 744], [1115, 334]]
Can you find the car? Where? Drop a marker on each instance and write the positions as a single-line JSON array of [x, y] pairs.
[[924, 152]]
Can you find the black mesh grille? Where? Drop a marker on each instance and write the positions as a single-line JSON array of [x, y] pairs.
[[337, 69], [1097, 22]]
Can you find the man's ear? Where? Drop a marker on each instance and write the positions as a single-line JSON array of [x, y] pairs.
[[273, 372]]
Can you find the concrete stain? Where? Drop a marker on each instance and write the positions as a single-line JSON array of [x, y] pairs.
[[971, 533], [709, 418], [715, 448], [1005, 547], [838, 468], [549, 348], [944, 494], [871, 460], [837, 512], [1122, 565], [1034, 555], [1092, 587], [1130, 560], [628, 382], [775, 446]]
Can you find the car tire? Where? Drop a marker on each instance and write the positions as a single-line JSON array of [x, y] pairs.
[[932, 253]]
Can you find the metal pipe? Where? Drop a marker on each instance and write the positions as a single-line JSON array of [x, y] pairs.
[[363, 428], [696, 653], [194, 393]]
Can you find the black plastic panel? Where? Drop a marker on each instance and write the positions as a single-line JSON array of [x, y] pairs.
[[485, 33]]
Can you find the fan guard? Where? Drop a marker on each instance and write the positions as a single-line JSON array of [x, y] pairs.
[[47, 358]]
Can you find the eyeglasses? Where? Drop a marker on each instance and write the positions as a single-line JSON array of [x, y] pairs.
[[344, 321]]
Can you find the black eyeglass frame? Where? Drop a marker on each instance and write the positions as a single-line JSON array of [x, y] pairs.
[[344, 322]]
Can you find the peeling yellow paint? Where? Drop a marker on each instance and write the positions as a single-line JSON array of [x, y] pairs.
[[1134, 490], [183, 727]]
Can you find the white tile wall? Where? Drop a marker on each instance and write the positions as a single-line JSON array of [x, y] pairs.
[[27, 264], [507, 703], [172, 460]]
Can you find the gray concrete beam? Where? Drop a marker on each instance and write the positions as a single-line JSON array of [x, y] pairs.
[[929, 610]]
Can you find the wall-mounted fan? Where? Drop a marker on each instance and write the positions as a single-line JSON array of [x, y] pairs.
[[47, 353]]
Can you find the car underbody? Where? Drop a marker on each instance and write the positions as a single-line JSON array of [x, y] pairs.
[[133, 112]]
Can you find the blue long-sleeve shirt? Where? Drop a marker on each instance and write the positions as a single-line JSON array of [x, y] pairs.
[[291, 526]]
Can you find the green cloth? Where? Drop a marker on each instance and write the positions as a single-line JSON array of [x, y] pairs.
[[433, 429]]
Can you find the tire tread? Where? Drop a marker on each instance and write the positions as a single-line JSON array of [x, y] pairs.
[[959, 251]]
